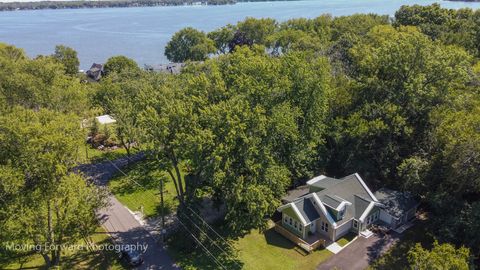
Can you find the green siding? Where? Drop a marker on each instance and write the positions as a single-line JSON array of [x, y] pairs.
[[291, 213]]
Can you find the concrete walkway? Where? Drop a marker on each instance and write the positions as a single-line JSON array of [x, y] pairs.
[[360, 253], [120, 223], [334, 248]]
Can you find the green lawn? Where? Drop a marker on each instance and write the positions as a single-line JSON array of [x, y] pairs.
[[256, 250], [72, 259], [146, 193], [346, 239], [95, 155]]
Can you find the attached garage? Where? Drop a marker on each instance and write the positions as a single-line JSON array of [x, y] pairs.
[[343, 229], [398, 207]]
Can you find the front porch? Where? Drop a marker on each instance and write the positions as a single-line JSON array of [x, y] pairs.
[[312, 241]]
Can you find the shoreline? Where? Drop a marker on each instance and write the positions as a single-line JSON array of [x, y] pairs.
[[91, 4], [53, 5]]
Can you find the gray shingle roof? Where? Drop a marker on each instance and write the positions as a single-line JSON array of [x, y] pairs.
[[396, 203], [332, 193], [296, 193], [307, 209], [360, 205], [331, 201]]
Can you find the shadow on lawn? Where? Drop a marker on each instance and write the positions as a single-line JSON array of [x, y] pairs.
[[275, 239]]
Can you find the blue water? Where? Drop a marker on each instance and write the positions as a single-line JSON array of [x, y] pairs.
[[141, 33]]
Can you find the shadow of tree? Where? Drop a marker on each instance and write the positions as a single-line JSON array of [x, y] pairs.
[[396, 257], [275, 239]]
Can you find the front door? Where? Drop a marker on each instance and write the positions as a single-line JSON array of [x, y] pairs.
[[312, 227]]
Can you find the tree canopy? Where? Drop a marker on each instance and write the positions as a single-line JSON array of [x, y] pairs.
[[189, 44]]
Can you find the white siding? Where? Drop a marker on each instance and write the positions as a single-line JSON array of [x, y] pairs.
[[385, 217], [343, 229]]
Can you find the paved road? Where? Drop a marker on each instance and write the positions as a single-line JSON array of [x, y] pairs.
[[360, 253], [120, 222]]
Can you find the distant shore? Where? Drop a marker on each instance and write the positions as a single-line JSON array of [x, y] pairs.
[[77, 4]]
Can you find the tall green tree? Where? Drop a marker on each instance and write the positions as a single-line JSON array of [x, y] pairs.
[[43, 202], [68, 58], [189, 44], [444, 256], [401, 76], [120, 64]]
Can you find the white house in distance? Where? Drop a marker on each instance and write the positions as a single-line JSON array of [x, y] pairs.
[[328, 208]]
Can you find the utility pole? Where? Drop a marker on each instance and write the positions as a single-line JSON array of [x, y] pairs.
[[162, 209]]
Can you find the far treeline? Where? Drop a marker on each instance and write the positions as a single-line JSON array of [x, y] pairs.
[[10, 6], [259, 108]]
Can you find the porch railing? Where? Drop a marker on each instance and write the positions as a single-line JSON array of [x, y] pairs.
[[297, 240]]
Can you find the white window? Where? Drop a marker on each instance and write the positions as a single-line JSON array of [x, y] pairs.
[[295, 224], [290, 221], [355, 224], [286, 219], [324, 226]]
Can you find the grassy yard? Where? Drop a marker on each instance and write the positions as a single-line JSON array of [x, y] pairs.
[[72, 259], [346, 239], [257, 250], [146, 193], [396, 257], [87, 154]]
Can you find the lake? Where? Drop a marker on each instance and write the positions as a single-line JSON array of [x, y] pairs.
[[141, 33]]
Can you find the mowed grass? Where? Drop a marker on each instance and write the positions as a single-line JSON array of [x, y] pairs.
[[270, 250], [87, 154], [346, 239], [256, 250], [140, 189], [71, 259]]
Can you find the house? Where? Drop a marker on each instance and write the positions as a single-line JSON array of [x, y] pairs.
[[171, 68], [328, 208], [95, 72]]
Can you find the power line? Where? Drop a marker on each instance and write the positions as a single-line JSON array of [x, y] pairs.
[[201, 231], [200, 243], [206, 223], [206, 234]]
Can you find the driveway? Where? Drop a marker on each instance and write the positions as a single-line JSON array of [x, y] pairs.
[[360, 253], [120, 222]]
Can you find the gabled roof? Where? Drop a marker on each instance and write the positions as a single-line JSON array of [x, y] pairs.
[[396, 203], [307, 210], [349, 192]]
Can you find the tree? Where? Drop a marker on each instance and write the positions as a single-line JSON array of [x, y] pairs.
[[400, 78], [222, 37], [40, 83], [43, 202], [257, 123], [189, 44], [444, 256], [166, 119], [68, 58], [119, 96], [120, 64], [257, 30], [12, 53], [459, 27]]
